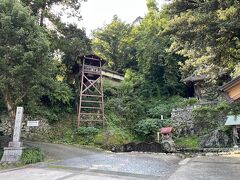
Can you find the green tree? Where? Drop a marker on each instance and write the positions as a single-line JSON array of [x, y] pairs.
[[207, 33], [70, 42], [41, 8], [159, 66], [27, 71], [112, 43]]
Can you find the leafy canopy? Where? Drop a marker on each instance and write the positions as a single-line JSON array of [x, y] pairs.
[[27, 69], [113, 44], [207, 33], [157, 64]]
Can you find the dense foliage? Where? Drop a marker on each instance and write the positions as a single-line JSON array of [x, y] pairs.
[[207, 118], [206, 33], [158, 66], [28, 72], [39, 65], [113, 43], [140, 49], [24, 62]]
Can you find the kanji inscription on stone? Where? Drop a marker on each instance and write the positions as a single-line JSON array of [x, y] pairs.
[[18, 123]]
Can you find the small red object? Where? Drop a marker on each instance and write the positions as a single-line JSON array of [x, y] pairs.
[[166, 130]]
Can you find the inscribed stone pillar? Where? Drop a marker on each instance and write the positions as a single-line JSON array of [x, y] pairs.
[[13, 152]]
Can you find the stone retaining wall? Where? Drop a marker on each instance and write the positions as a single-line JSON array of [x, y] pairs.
[[183, 124], [40, 132], [182, 120]]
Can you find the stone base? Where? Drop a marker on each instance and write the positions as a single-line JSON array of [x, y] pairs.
[[12, 154], [15, 144]]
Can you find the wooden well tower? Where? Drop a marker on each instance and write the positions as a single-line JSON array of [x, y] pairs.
[[91, 104]]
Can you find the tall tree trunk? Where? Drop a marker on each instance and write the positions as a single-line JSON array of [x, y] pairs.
[[41, 18], [42, 13], [10, 106]]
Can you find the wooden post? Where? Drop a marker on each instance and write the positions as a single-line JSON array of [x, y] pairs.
[[80, 97], [158, 137], [102, 104]]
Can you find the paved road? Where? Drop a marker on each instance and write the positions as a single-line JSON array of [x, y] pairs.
[[209, 168], [117, 165], [72, 163]]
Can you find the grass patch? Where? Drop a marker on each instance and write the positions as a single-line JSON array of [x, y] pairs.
[[10, 165], [187, 142], [29, 156], [32, 155]]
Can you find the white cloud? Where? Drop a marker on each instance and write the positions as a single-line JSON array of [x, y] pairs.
[[96, 13]]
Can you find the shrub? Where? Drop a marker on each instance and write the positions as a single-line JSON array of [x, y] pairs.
[[187, 142], [113, 120], [161, 109], [207, 118], [127, 108], [63, 130], [85, 135], [164, 106], [109, 89], [62, 134], [68, 136], [147, 128], [108, 138], [234, 109], [32, 155], [87, 131], [187, 102], [61, 94]]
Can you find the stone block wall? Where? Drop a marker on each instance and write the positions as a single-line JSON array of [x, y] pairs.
[[182, 121], [40, 132], [182, 118]]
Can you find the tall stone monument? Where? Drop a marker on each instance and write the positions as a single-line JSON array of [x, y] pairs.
[[13, 152]]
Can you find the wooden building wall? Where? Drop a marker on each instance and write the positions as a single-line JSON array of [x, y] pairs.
[[234, 92]]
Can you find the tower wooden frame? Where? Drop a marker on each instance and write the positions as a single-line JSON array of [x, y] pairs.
[[91, 99]]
